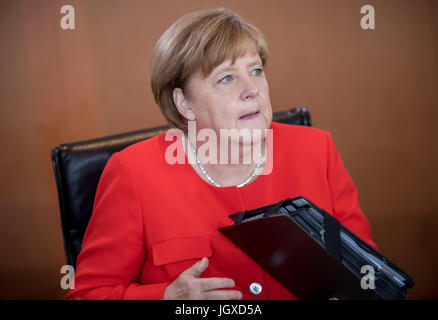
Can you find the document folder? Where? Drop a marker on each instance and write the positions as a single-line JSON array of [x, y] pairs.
[[313, 255]]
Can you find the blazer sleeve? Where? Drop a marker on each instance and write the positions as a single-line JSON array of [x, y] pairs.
[[113, 248], [344, 195]]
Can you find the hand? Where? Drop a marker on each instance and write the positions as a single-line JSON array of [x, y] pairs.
[[189, 286]]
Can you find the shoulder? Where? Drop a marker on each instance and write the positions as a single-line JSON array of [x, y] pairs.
[[141, 156], [146, 147]]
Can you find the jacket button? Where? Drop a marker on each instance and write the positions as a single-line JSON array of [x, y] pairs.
[[255, 288]]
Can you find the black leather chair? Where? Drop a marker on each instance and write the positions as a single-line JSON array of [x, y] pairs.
[[78, 167]]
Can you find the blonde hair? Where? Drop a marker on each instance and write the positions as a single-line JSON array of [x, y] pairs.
[[200, 40]]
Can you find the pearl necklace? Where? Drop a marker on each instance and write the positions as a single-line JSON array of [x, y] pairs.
[[214, 182]]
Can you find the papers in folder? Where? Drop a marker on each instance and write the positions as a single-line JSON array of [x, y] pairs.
[[313, 255]]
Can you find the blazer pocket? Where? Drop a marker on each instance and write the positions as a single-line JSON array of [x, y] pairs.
[[179, 249]]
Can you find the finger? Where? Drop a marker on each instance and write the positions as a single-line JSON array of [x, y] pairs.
[[198, 268], [207, 284], [221, 295]]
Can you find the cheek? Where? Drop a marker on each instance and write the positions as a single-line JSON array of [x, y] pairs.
[[228, 115], [205, 107], [222, 105], [223, 117], [214, 112], [264, 90], [266, 98]]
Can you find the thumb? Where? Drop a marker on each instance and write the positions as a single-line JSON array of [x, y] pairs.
[[198, 268]]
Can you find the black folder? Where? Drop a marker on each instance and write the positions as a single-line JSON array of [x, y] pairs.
[[313, 255]]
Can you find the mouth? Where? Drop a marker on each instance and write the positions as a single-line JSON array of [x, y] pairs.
[[250, 115]]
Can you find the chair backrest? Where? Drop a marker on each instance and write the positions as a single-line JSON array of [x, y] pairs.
[[78, 167]]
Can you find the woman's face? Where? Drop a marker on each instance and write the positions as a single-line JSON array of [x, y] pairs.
[[231, 97]]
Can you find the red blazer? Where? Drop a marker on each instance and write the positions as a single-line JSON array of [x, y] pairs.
[[152, 220]]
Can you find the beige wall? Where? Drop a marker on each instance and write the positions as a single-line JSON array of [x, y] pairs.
[[375, 91]]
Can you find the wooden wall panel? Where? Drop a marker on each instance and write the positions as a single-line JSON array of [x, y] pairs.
[[375, 91]]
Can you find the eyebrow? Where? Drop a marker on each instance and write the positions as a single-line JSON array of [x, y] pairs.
[[229, 68]]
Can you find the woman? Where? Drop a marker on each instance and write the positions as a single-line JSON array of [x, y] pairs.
[[154, 229]]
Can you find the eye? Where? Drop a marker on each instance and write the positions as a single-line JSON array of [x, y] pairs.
[[258, 71], [225, 79]]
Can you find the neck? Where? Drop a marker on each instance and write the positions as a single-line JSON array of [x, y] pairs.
[[228, 163]]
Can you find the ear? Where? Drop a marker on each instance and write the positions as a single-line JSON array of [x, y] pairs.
[[183, 105]]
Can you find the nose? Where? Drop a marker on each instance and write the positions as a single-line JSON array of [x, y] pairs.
[[249, 88]]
